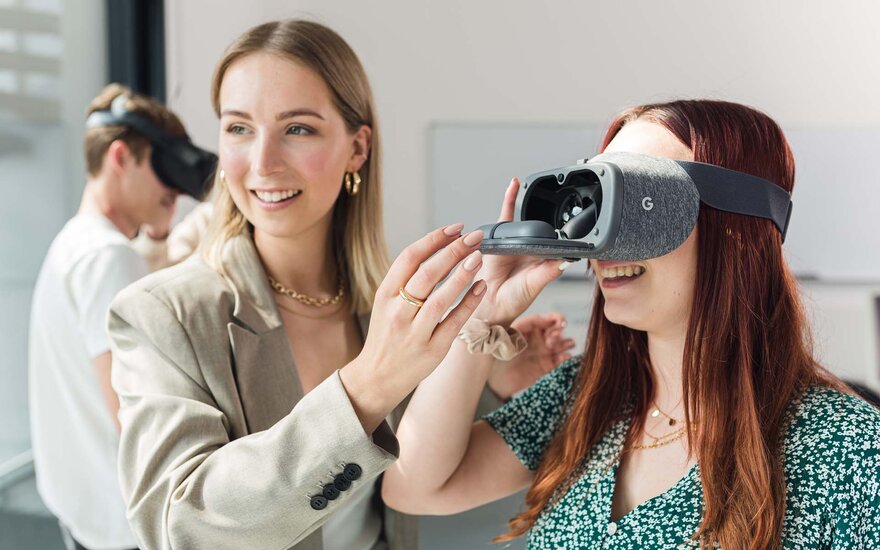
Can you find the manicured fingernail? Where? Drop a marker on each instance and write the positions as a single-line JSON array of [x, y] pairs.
[[453, 230], [473, 261], [565, 265], [479, 287], [473, 238]]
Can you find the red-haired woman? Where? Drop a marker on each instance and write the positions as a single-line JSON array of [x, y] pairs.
[[697, 415]]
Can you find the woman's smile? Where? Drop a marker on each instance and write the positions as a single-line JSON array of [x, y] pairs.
[[617, 274], [275, 199]]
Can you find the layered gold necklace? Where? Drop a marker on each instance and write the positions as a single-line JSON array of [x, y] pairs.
[[667, 438]]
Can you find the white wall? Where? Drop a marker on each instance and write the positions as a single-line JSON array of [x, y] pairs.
[[806, 63]]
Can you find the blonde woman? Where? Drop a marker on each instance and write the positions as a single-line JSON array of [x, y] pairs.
[[253, 401]]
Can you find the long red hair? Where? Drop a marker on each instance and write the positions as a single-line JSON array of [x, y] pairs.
[[748, 352]]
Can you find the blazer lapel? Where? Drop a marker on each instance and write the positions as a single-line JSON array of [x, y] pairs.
[[265, 372]]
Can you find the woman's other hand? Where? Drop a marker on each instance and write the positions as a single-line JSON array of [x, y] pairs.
[[547, 348]]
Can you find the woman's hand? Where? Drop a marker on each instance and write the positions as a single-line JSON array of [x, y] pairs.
[[407, 341], [513, 281], [547, 347]]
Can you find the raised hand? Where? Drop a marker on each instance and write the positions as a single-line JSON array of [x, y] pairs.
[[513, 281], [410, 330], [547, 347]]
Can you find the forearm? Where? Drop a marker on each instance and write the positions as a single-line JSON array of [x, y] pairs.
[[103, 365], [373, 397], [488, 471], [435, 430]]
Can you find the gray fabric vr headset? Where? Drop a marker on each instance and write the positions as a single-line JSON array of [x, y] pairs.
[[178, 163], [626, 206]]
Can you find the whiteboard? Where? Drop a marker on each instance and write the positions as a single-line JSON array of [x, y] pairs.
[[835, 227]]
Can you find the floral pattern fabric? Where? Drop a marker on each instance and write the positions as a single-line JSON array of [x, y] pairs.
[[831, 466]]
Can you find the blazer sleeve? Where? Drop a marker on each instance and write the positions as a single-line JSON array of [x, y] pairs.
[[186, 483]]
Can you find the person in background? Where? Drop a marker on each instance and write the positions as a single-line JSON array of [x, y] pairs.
[[73, 408]]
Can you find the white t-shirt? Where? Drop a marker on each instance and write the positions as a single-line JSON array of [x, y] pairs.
[[74, 439]]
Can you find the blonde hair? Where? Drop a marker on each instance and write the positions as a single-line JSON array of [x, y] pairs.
[[97, 140], [358, 234]]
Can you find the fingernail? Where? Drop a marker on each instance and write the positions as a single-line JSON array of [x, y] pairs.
[[473, 238], [453, 230], [479, 287], [565, 265], [473, 261]]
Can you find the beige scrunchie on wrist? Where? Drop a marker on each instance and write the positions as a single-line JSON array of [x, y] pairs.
[[501, 343]]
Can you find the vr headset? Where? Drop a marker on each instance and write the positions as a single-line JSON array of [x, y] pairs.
[[176, 160], [626, 206]]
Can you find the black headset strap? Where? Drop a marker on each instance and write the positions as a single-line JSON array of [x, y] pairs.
[[134, 121], [740, 193]]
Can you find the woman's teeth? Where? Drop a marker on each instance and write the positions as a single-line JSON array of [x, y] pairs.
[[622, 271], [276, 196]]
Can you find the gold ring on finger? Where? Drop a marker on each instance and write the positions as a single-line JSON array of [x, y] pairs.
[[410, 299]]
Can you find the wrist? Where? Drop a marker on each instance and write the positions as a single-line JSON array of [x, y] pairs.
[[492, 317], [499, 341], [367, 395]]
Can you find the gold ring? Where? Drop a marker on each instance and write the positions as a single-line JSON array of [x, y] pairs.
[[410, 299]]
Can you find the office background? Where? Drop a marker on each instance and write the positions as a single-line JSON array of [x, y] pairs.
[[468, 93]]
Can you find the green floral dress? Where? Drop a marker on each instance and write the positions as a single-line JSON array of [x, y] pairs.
[[832, 475]]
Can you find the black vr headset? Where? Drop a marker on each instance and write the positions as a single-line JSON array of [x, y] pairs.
[[626, 206], [176, 160]]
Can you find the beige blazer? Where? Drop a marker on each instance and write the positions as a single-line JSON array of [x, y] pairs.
[[219, 447]]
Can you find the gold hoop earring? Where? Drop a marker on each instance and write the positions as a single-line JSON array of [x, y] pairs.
[[222, 177], [352, 183]]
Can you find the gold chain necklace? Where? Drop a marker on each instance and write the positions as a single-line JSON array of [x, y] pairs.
[[663, 440], [667, 438], [305, 298]]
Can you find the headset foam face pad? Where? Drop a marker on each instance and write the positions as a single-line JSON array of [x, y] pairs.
[[659, 207]]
